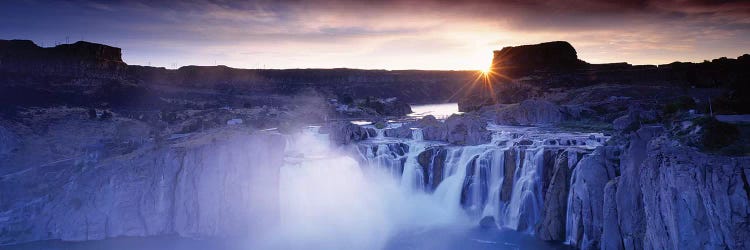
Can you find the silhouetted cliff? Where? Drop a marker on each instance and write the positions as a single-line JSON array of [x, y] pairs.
[[522, 60], [78, 59]]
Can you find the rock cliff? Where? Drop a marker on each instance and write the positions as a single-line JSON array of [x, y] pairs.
[[523, 60], [218, 184]]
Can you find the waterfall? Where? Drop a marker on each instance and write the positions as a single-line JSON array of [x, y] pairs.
[[380, 133], [497, 176], [457, 162], [524, 209], [416, 134], [502, 179], [413, 176], [329, 201], [572, 230]]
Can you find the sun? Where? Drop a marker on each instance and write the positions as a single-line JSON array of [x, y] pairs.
[[485, 71]]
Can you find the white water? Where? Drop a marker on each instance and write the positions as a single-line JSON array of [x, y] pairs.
[[413, 176], [526, 198], [329, 202], [332, 201], [440, 111]]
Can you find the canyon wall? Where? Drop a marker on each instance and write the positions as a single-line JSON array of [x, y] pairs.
[[217, 184], [646, 192]]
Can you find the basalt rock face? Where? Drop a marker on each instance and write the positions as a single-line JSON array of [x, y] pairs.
[[693, 200], [522, 60], [624, 201], [585, 206], [77, 59], [219, 184], [552, 225], [432, 161]]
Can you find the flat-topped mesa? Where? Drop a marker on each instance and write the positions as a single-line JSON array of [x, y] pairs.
[[522, 60], [77, 59]]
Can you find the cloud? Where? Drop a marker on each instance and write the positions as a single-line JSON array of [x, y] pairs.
[[431, 34]]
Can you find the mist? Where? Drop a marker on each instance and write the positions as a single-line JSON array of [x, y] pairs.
[[328, 201]]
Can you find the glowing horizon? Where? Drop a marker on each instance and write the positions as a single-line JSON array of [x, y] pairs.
[[391, 35]]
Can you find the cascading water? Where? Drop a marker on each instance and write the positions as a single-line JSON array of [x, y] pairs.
[[501, 179], [409, 185], [330, 201], [413, 176], [524, 209]]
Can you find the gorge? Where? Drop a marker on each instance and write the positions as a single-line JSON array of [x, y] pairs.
[[557, 153]]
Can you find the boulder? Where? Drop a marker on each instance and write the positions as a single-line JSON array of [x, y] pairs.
[[634, 118], [343, 133], [487, 222], [467, 130]]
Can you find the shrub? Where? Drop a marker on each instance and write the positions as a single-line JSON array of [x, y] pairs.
[[718, 134], [679, 104]]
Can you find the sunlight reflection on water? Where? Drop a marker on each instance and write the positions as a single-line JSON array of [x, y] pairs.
[[440, 111]]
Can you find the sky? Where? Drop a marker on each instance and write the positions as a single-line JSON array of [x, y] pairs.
[[388, 34]]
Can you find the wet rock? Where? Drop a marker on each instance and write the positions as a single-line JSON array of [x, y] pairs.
[[432, 161], [457, 129], [343, 133], [552, 225], [487, 222], [432, 129]]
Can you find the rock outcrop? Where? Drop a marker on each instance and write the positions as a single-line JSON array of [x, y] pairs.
[[585, 207], [343, 133], [466, 129], [552, 225], [220, 184], [77, 59], [528, 112], [693, 200], [626, 195], [522, 60]]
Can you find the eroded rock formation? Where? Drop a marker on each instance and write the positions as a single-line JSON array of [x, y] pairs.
[[220, 184]]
